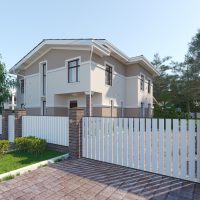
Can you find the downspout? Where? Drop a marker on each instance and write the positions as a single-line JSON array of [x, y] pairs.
[[90, 91]]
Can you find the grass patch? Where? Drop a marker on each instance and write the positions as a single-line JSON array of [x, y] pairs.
[[15, 160]]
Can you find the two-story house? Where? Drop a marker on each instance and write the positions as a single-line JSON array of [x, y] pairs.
[[93, 74]]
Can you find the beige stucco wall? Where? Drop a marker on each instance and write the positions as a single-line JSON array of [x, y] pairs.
[[56, 58], [125, 87]]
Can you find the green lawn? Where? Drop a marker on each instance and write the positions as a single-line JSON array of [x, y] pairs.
[[15, 160]]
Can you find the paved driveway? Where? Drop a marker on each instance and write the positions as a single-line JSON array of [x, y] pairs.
[[89, 179]]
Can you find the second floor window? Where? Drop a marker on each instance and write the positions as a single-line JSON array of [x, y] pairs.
[[149, 86], [22, 86], [142, 83], [108, 75], [44, 78], [73, 71]]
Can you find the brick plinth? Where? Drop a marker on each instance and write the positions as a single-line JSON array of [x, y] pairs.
[[5, 115], [75, 132], [18, 122]]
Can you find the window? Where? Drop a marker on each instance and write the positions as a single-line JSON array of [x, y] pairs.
[[149, 86], [43, 108], [44, 78], [22, 86], [73, 104], [108, 75], [142, 83], [73, 71]]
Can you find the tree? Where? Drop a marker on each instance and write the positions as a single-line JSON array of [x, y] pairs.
[[178, 86], [6, 83]]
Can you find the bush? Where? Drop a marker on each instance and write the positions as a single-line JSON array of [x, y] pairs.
[[4, 145], [30, 144]]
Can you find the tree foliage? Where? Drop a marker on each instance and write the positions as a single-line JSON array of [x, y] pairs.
[[178, 86], [6, 83]]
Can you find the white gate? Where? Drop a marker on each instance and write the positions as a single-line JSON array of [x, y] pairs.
[[0, 124], [167, 147], [53, 129], [11, 128]]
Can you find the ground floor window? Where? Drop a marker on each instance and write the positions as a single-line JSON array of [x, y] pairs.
[[43, 108], [73, 104]]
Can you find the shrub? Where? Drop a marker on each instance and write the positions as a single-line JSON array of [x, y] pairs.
[[4, 145], [30, 144]]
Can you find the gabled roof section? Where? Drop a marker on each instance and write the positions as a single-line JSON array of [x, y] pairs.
[[100, 46]]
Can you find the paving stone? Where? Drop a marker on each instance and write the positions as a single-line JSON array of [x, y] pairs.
[[85, 179]]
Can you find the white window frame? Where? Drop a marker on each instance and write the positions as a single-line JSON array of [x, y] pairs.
[[66, 65]]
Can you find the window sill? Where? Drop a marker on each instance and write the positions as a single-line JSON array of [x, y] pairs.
[[73, 82]]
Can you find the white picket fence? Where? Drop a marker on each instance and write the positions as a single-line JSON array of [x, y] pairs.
[[0, 124], [167, 147], [54, 129]]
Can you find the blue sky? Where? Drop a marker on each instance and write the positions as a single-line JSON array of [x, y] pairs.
[[135, 26]]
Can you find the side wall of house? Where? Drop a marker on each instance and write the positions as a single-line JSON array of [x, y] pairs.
[[57, 86], [125, 93]]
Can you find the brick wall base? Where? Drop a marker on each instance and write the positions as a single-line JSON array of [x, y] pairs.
[[75, 132], [57, 147]]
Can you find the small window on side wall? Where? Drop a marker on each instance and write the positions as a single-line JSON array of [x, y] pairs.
[[142, 82], [22, 86], [149, 86], [108, 75], [73, 104]]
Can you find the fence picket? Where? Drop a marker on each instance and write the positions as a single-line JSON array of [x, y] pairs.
[[168, 147], [130, 143], [120, 143], [198, 150], [101, 133], [142, 143], [175, 148], [192, 149], [148, 144], [106, 141], [96, 138], [183, 148], [110, 140], [125, 142], [136, 143], [115, 136], [161, 146], [154, 146]]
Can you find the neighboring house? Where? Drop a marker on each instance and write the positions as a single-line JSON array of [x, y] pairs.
[[93, 74], [11, 103]]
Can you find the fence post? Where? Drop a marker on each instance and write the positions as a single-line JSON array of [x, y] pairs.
[[75, 132], [5, 114], [18, 122]]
